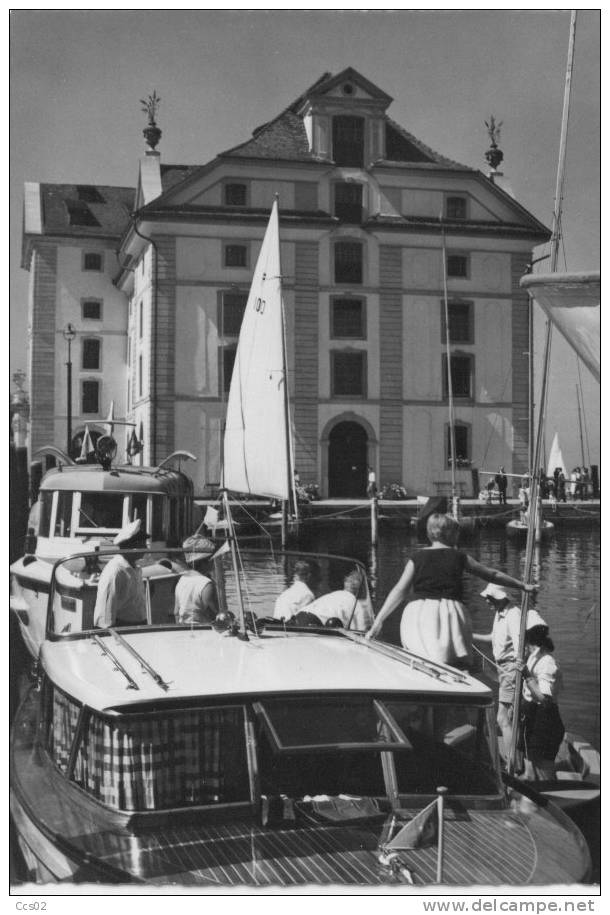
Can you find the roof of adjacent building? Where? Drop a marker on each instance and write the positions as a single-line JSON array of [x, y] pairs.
[[85, 210]]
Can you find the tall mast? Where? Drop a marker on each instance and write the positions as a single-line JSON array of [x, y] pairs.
[[449, 376], [290, 484], [535, 482]]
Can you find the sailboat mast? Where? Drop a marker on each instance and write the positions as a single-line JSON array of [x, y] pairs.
[[449, 376], [290, 484], [535, 481]]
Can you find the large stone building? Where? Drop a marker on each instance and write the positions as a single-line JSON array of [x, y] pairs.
[[364, 207]]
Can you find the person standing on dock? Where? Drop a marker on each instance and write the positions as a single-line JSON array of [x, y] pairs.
[[435, 623], [371, 486], [502, 484], [504, 639], [121, 598]]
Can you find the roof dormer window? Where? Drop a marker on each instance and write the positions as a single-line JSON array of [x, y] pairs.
[[348, 140]]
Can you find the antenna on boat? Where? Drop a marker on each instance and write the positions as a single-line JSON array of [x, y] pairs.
[[535, 469]]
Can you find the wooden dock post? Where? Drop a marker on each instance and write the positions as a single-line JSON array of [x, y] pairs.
[[441, 792]]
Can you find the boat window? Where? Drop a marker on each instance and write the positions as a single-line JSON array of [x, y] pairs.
[[63, 515], [62, 729], [46, 506], [100, 510], [156, 762], [156, 531], [452, 746], [139, 502], [349, 722]]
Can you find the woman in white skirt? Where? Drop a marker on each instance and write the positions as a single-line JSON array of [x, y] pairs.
[[435, 624]]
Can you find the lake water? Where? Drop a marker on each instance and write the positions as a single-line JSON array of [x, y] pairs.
[[567, 569]]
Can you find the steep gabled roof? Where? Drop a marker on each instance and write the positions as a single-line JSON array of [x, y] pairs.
[[285, 138]]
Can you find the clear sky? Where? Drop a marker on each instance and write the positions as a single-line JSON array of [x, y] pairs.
[[77, 77]]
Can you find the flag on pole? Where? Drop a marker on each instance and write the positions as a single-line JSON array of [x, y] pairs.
[[87, 447], [109, 419], [211, 517], [419, 832], [133, 445], [221, 550]]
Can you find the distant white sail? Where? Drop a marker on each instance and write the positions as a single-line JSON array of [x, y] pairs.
[[572, 302], [256, 445], [555, 457]]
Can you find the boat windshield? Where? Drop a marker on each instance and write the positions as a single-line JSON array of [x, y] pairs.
[[300, 748], [291, 589]]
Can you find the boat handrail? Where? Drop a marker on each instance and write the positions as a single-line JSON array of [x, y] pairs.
[[432, 668], [131, 683], [146, 667]]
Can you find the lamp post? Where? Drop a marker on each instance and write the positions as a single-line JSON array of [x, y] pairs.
[[69, 333]]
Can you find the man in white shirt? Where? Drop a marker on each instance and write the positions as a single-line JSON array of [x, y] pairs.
[[504, 638], [196, 600], [349, 604], [298, 595], [121, 598]]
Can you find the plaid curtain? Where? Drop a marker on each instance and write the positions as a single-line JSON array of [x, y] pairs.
[[175, 760], [65, 717]]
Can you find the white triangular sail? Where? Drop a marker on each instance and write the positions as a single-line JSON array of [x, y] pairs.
[[572, 302], [256, 444], [555, 457]]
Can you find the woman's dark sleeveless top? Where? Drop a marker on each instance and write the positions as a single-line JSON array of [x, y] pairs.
[[438, 573]]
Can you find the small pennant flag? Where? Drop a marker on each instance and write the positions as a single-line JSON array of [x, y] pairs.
[[221, 550], [86, 448], [211, 517], [109, 419], [133, 445], [419, 832]]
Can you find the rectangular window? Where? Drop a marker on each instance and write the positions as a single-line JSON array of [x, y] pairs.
[[91, 310], [227, 361], [141, 319], [461, 375], [235, 255], [461, 322], [305, 195], [140, 376], [458, 266], [348, 262], [235, 195], [185, 758], [102, 511], [93, 260], [348, 140], [348, 374], [91, 354], [90, 396], [347, 318], [462, 445], [63, 516], [456, 207], [233, 306], [348, 202]]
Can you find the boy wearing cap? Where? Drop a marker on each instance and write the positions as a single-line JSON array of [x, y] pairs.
[[121, 598], [504, 638], [196, 600]]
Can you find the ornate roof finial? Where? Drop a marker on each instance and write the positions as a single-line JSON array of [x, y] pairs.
[[150, 106], [494, 155]]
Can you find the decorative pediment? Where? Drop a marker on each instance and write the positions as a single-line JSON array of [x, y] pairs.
[[349, 88]]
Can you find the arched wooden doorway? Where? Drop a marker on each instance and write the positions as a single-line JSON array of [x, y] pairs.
[[347, 461]]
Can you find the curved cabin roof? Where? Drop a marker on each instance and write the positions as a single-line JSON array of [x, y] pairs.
[[92, 478], [202, 664]]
